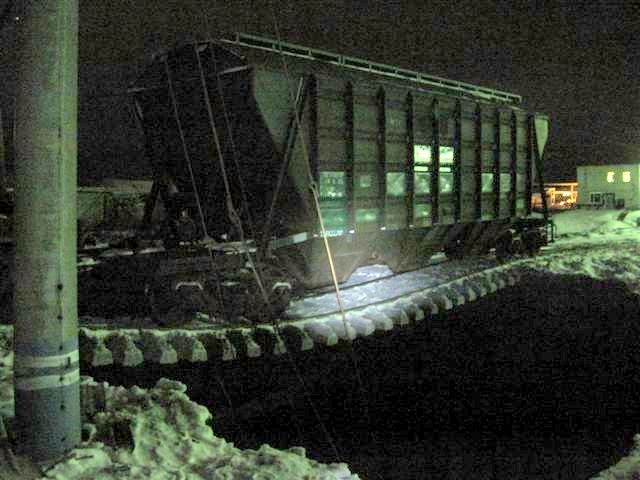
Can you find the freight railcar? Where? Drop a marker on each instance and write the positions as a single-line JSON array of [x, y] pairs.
[[264, 143]]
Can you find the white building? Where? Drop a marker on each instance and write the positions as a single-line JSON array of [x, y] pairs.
[[609, 186]]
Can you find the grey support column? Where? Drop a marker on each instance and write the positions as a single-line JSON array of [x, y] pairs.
[[46, 330]]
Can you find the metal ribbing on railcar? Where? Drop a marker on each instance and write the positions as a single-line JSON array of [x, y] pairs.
[[529, 166], [435, 163], [349, 156], [477, 200], [513, 193], [457, 162], [381, 140], [496, 163], [410, 160]]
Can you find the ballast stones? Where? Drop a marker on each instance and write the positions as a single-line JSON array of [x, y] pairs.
[[101, 346]]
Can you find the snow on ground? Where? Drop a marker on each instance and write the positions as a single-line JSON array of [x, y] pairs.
[[587, 221], [628, 468], [170, 436], [602, 244], [156, 434]]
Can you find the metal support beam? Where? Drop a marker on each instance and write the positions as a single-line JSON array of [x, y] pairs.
[[528, 176], [477, 170], [312, 127], [435, 162], [46, 330], [349, 155], [381, 140], [409, 168], [457, 162], [513, 167]]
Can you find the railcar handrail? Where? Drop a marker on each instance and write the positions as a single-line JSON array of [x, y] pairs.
[[291, 49]]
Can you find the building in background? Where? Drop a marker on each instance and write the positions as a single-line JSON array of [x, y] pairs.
[[560, 196], [609, 186], [117, 202]]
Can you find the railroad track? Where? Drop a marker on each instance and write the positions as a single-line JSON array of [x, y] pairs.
[[372, 307]]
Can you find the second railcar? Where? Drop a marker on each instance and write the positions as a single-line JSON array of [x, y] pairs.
[[241, 132]]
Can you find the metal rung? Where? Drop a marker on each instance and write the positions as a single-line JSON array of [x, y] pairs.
[[299, 51]]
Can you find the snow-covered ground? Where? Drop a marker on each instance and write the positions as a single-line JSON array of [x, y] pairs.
[[170, 438], [170, 434]]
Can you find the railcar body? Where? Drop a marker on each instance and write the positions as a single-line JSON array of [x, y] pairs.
[[404, 164]]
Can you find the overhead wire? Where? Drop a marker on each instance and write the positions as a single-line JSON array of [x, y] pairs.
[[184, 145], [316, 199], [231, 211], [192, 178], [254, 269]]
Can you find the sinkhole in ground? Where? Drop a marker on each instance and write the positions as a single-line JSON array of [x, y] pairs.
[[538, 381]]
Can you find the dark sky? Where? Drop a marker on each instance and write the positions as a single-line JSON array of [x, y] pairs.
[[578, 62]]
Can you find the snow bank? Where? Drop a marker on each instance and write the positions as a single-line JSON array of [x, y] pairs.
[[161, 434], [585, 221], [171, 438], [627, 468], [620, 261]]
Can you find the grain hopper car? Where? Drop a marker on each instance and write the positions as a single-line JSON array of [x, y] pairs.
[[256, 145]]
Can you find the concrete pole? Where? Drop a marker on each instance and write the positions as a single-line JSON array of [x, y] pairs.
[[46, 329]]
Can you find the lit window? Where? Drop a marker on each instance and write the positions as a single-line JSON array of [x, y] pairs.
[[611, 176], [626, 177], [421, 153], [446, 155]]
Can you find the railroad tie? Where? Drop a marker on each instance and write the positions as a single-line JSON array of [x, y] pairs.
[[188, 348], [124, 350]]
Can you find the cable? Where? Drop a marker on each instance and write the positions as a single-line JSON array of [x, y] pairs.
[[316, 199], [184, 144], [245, 202]]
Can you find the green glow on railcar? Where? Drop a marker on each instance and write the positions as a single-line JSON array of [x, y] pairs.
[[446, 182], [487, 182], [421, 181], [365, 215], [396, 184], [332, 185]]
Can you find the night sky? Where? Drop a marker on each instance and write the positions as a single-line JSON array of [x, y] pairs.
[[577, 62]]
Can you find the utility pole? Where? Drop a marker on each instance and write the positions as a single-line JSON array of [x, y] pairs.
[[47, 400]]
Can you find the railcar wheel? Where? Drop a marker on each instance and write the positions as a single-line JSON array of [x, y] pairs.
[[174, 305], [278, 289], [503, 246], [532, 242], [454, 250]]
